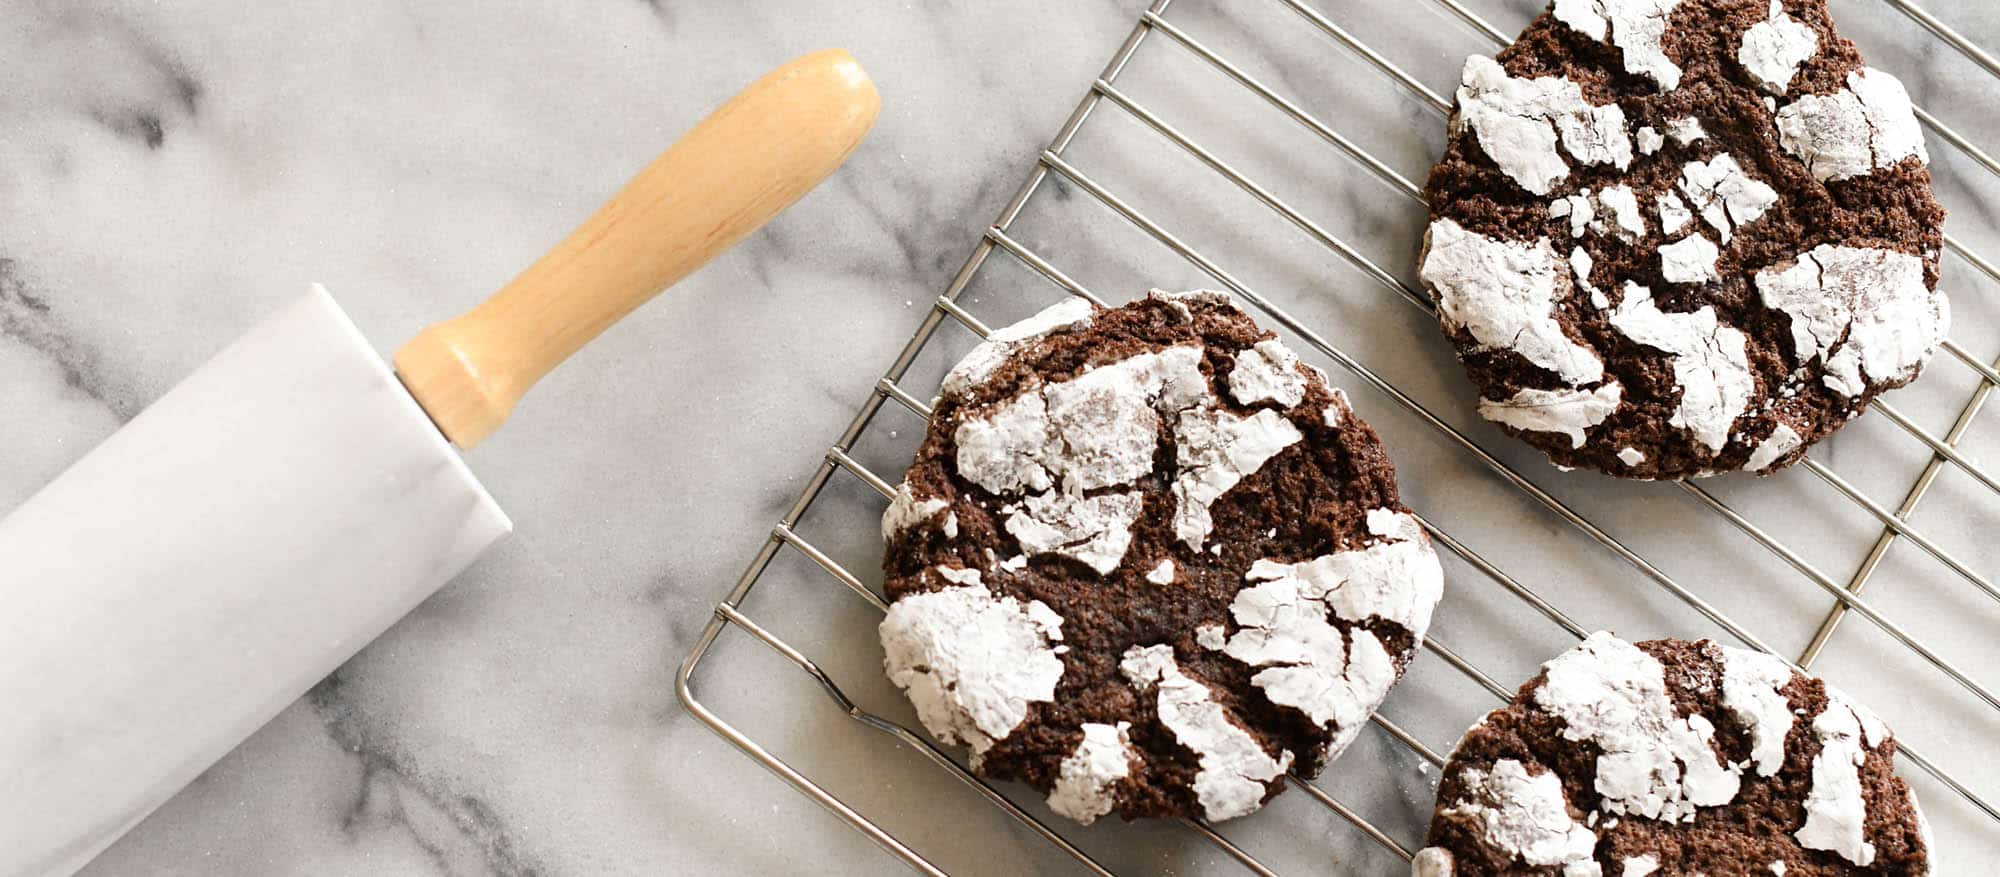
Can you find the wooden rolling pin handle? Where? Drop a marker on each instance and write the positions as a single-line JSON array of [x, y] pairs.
[[746, 162]]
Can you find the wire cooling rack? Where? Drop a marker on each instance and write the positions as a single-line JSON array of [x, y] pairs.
[[1570, 548]]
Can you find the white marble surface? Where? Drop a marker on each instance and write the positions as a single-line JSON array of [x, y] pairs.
[[169, 172]]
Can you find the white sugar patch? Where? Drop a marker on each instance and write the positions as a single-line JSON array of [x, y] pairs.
[[1649, 140], [1864, 312], [1868, 124], [1569, 412], [1216, 449], [1106, 420], [1284, 623], [1634, 26], [1003, 451], [1211, 637], [1631, 456], [1751, 683], [1773, 49], [1674, 214], [1163, 574], [1654, 762], [971, 663], [1782, 440], [1686, 130], [1268, 371], [1526, 815], [1689, 260], [1095, 530], [1520, 121], [1726, 197], [1504, 294], [1638, 866], [906, 511], [1086, 777], [1836, 814], [1235, 771], [1710, 362], [1068, 315]]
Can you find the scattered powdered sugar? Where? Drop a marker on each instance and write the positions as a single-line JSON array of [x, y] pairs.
[[1004, 450], [1569, 412], [1284, 622], [1519, 121], [1579, 266], [1068, 315], [1865, 312], [1686, 130], [1095, 530], [1106, 420], [1525, 814], [1638, 866], [1614, 210], [1751, 691], [906, 511], [1674, 214], [1780, 442], [1635, 27], [1267, 371], [1084, 781], [1649, 140], [1725, 196], [1216, 449], [1689, 260], [1234, 769], [1836, 814], [1710, 362], [1504, 294], [1211, 636], [1868, 124], [1777, 868], [1631, 456], [1162, 574], [1773, 49], [971, 663], [1654, 762]]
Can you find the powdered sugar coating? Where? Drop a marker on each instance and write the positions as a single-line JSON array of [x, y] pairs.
[[1655, 763], [1865, 313], [1709, 361], [1689, 260], [1068, 315], [1216, 450], [1773, 49], [1782, 440], [1234, 769], [1634, 26], [1639, 866], [1162, 573], [1724, 195], [1085, 780], [1751, 691], [1570, 412], [1267, 372], [1284, 624], [906, 511], [1867, 125], [1095, 530], [1674, 214], [1520, 121], [1504, 295], [1526, 814], [1631, 456], [970, 662], [1836, 814]]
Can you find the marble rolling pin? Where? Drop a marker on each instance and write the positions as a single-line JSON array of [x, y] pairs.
[[292, 498]]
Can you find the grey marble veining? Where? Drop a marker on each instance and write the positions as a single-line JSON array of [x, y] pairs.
[[169, 173]]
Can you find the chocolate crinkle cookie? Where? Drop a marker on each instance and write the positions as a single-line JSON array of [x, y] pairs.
[[1148, 562], [1676, 237], [1674, 757]]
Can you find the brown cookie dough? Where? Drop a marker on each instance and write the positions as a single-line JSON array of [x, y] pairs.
[[1674, 757], [1147, 561], [1676, 237]]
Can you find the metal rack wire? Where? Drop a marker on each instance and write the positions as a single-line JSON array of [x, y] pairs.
[[1154, 26]]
